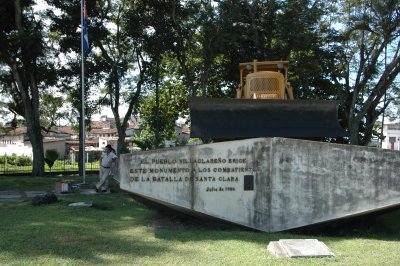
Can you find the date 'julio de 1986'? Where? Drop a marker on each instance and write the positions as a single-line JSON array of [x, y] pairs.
[[219, 189]]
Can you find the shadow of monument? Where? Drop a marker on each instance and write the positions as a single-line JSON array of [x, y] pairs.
[[380, 225]]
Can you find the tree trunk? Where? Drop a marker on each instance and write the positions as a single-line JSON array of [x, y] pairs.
[[123, 125], [26, 84], [353, 132], [157, 130], [36, 140], [121, 141]]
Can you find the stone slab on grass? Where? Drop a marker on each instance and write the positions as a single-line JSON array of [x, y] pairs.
[[81, 204], [32, 194], [299, 248], [9, 195], [87, 191]]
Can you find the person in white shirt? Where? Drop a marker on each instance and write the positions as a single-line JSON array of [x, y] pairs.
[[106, 160]]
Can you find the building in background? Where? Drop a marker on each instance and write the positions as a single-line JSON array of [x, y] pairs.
[[65, 140], [15, 142], [392, 137]]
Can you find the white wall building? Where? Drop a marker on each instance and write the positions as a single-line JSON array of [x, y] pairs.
[[14, 143], [392, 137], [55, 144]]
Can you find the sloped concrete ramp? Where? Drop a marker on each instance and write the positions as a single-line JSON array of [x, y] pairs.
[[269, 184]]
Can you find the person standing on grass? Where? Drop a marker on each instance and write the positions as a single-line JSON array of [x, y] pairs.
[[105, 162]]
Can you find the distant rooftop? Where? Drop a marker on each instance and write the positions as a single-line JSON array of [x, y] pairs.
[[13, 132]]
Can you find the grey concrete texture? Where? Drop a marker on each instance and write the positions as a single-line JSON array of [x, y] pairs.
[[315, 182], [269, 184]]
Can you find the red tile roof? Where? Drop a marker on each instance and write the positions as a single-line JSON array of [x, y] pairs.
[[67, 130], [100, 124], [104, 131], [13, 132], [87, 141]]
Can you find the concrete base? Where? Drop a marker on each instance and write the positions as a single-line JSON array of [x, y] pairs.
[[269, 184]]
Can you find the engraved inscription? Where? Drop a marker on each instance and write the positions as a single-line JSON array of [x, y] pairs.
[[213, 172]]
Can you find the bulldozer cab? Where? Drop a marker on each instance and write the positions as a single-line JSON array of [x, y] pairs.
[[264, 80]]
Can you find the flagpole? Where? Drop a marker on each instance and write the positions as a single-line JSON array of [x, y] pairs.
[[83, 97]]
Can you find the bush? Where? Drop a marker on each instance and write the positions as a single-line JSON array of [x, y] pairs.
[[50, 157], [16, 160], [124, 150], [11, 159], [23, 161]]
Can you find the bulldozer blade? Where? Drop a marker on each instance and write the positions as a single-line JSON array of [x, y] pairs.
[[249, 118]]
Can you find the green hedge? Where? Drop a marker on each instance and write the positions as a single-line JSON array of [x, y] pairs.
[[16, 160]]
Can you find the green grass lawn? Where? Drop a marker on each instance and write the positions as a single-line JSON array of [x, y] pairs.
[[46, 183], [121, 231], [59, 166]]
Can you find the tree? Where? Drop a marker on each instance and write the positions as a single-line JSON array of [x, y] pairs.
[[242, 31], [116, 65], [159, 112], [50, 157], [158, 40], [50, 112], [209, 46], [323, 65], [25, 70], [143, 33], [370, 64], [121, 58]]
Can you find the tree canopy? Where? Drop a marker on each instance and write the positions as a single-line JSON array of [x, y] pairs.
[[26, 68]]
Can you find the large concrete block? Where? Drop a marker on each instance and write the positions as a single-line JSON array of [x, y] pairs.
[[270, 184]]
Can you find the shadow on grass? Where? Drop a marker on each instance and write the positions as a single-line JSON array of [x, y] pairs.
[[115, 227], [380, 225], [118, 226]]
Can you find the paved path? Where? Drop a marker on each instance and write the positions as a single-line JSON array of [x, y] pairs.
[[14, 195]]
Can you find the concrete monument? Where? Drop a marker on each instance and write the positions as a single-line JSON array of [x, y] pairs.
[[269, 184]]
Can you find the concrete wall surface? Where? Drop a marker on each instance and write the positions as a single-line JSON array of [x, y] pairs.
[[269, 184]]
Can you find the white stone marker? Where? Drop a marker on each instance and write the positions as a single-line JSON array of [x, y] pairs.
[[297, 248]]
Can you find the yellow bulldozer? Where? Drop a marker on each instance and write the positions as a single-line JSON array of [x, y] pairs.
[[264, 107], [264, 80]]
